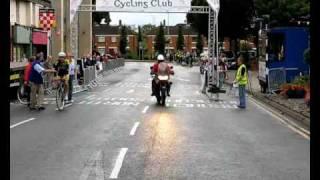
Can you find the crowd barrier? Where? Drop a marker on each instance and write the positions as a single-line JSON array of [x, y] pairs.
[[276, 77]]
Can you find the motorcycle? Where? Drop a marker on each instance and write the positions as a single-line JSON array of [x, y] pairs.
[[162, 85]]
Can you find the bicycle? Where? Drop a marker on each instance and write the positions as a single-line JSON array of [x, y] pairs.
[[60, 93], [22, 94]]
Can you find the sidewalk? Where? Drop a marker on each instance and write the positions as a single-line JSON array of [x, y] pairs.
[[294, 108]]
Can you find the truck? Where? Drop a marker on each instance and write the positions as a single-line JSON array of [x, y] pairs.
[[281, 56]]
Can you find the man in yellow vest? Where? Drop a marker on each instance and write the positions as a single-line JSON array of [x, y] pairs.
[[242, 81]]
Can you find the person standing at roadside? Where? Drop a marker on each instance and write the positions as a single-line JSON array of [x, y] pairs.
[[36, 82], [26, 78], [242, 81], [72, 71], [222, 69]]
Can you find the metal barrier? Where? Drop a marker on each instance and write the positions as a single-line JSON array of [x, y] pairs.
[[276, 77], [92, 76]]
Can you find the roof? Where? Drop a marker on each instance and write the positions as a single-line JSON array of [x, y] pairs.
[[109, 30], [173, 30]]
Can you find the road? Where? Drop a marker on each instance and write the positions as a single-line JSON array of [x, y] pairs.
[[116, 131]]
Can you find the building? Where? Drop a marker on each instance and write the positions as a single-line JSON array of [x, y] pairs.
[[107, 39], [190, 39], [26, 37]]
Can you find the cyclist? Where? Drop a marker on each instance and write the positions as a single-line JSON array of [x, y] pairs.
[[62, 68]]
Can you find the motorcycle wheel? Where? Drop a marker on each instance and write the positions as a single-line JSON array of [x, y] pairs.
[[163, 97]]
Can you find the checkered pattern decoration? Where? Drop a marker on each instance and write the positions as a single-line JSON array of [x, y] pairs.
[[47, 19]]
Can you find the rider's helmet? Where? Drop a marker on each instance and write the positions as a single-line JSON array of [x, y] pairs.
[[62, 55], [160, 58]]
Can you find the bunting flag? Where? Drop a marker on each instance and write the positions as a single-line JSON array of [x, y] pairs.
[[47, 19]]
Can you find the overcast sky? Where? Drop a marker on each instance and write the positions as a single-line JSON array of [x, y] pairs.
[[147, 18]]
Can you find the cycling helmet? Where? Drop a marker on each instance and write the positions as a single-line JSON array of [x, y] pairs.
[[62, 54], [160, 57]]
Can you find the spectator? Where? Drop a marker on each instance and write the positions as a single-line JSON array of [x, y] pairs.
[[36, 82], [222, 69], [72, 72], [26, 78]]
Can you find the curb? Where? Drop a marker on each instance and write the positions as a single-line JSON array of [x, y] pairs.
[[293, 115]]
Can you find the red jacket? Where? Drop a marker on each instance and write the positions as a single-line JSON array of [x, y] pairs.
[[27, 72], [155, 69]]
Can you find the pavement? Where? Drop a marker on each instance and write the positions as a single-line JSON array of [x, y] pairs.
[[116, 131], [296, 109]]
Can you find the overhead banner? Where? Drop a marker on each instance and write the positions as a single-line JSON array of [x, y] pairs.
[[149, 6], [214, 4], [74, 4]]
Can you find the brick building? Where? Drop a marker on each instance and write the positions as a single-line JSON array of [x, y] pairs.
[[190, 39], [107, 39]]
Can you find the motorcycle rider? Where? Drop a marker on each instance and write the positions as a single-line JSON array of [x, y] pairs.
[[161, 68]]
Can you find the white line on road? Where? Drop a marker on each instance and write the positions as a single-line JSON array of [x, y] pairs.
[[91, 96], [22, 122], [117, 167], [130, 91], [145, 109], [293, 126], [134, 128]]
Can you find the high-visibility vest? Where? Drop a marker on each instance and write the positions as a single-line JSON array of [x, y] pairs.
[[242, 80]]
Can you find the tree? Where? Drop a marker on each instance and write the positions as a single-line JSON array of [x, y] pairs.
[[234, 16], [281, 13], [98, 16], [140, 40], [123, 40], [180, 40], [199, 44], [160, 41]]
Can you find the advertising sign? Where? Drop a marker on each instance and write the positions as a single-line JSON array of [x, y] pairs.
[[158, 6], [74, 4]]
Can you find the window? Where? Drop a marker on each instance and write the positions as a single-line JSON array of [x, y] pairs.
[[194, 39], [128, 38], [101, 39], [276, 47], [113, 39]]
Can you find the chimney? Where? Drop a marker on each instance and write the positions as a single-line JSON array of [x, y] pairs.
[[120, 22], [164, 22]]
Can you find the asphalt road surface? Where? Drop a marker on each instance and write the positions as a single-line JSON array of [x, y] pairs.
[[116, 131]]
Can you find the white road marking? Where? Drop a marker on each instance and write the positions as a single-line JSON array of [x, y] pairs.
[[303, 132], [130, 91], [49, 99], [119, 161], [99, 102], [90, 96], [134, 128], [197, 92], [145, 109], [82, 102], [96, 160], [22, 122]]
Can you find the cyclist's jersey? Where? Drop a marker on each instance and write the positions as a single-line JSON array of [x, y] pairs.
[[62, 69]]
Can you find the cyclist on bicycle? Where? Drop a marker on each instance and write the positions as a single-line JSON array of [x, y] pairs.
[[62, 68]]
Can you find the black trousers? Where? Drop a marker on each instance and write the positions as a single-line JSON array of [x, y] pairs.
[[71, 78]]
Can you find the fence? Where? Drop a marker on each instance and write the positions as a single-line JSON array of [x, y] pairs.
[[91, 76], [276, 77]]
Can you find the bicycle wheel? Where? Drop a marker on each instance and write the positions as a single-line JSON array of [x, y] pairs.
[[60, 98], [22, 95]]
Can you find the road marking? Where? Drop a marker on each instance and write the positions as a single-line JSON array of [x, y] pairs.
[[49, 99], [134, 128], [96, 163], [197, 92], [90, 96], [22, 122], [130, 91], [99, 102], [293, 126], [82, 102], [119, 161], [145, 109]]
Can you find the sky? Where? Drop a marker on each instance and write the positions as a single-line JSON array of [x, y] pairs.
[[147, 18]]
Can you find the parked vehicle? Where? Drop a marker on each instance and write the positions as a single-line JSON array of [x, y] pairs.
[[281, 51]]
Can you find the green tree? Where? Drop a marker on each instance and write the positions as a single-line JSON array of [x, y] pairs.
[[199, 44], [281, 13], [180, 40], [123, 40], [160, 41]]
